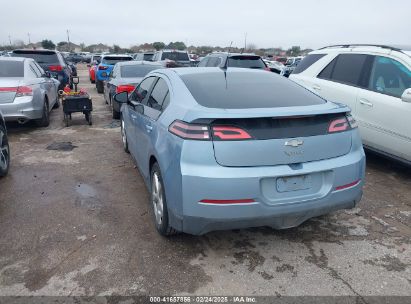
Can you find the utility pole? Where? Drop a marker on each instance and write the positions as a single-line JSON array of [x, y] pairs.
[[28, 34], [68, 40], [245, 42], [10, 39]]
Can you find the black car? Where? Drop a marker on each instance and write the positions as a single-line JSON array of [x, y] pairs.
[[51, 61], [74, 58], [4, 148], [235, 60], [172, 58]]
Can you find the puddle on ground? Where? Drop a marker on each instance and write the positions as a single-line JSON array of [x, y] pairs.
[[61, 146], [86, 190]]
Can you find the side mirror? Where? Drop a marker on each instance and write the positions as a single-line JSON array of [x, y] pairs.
[[121, 97], [47, 74], [406, 96]]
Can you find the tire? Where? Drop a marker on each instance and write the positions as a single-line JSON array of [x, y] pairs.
[[99, 86], [124, 136], [4, 152], [115, 114], [44, 121], [159, 203], [88, 118], [57, 104]]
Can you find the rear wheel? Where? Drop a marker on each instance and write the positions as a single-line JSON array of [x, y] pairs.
[[159, 203], [57, 104], [99, 86], [124, 136], [4, 152], [116, 114], [44, 121]]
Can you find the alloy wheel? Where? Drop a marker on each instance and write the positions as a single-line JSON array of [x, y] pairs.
[[157, 198]]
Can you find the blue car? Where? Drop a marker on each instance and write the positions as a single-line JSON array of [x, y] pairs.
[[104, 68], [236, 148]]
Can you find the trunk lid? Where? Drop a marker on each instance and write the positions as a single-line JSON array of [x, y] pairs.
[[281, 140], [8, 88]]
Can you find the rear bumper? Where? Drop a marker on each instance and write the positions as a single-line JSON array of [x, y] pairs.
[[22, 108], [270, 207]]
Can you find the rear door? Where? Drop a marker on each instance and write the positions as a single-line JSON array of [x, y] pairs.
[[382, 116], [153, 106], [136, 128], [340, 80]]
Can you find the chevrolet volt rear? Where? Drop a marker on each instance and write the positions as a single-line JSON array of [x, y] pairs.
[[240, 148]]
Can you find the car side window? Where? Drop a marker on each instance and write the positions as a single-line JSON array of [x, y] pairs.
[[389, 77], [158, 95], [345, 68], [140, 93], [37, 69], [213, 62], [32, 71], [203, 62]]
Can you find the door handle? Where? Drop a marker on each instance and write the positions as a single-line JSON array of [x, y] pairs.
[[316, 87], [365, 102], [149, 128]]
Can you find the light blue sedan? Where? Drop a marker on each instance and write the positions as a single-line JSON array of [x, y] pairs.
[[236, 148]]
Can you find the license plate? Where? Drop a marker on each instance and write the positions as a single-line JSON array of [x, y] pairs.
[[293, 183]]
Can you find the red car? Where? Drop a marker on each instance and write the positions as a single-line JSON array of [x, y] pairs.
[[92, 73], [94, 61]]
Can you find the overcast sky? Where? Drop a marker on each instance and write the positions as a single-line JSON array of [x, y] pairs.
[[268, 23]]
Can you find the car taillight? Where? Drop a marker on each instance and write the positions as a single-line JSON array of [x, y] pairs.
[[189, 131], [351, 120], [338, 125], [125, 88], [24, 91], [55, 68], [102, 67], [229, 133]]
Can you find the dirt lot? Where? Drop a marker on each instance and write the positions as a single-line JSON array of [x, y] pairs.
[[78, 222]]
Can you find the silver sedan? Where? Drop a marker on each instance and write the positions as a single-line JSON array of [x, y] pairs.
[[26, 91]]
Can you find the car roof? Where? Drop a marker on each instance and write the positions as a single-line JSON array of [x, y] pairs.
[[116, 55], [14, 58], [34, 51], [139, 62], [364, 47], [233, 54]]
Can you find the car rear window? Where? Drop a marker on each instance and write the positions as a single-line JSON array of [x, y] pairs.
[[148, 57], [176, 56], [249, 62], [308, 61], [242, 90], [141, 70], [114, 60], [40, 57], [11, 68]]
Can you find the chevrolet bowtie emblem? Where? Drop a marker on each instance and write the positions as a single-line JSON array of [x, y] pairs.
[[294, 143]]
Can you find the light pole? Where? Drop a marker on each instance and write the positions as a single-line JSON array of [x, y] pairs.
[[245, 42], [10, 39], [28, 34], [68, 40]]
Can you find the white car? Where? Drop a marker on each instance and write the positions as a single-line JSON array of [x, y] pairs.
[[375, 82]]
